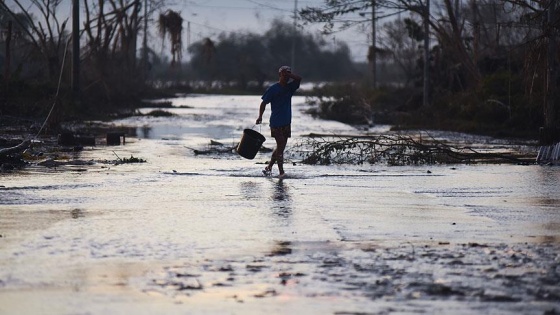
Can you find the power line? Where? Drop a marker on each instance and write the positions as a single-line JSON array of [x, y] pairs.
[[268, 6], [206, 26], [220, 7]]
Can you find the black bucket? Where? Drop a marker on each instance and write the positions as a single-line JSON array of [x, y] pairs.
[[250, 144]]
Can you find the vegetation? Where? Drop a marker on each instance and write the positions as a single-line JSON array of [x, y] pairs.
[[171, 23], [491, 66], [397, 150], [132, 159], [160, 113], [36, 55], [248, 60]]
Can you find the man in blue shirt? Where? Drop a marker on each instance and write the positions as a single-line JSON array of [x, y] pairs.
[[279, 95]]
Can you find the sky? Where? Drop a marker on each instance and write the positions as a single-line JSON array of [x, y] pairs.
[[209, 18]]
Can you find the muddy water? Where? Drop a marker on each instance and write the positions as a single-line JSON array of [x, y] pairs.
[[190, 234]]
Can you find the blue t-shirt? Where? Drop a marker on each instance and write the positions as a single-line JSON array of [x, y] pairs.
[[280, 99]]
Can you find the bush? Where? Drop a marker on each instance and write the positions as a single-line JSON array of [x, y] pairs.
[[345, 103]]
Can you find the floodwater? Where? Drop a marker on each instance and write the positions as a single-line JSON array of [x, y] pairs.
[[208, 234]]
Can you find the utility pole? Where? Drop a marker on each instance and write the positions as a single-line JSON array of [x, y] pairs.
[[373, 48], [551, 82], [76, 48], [145, 42], [293, 61], [426, 88], [8, 52], [549, 135], [188, 34]]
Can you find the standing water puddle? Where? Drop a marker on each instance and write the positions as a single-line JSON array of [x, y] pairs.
[[188, 233]]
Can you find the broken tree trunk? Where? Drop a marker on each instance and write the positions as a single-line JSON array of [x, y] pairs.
[[17, 149]]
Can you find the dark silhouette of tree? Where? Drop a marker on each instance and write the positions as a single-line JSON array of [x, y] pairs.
[[15, 48], [444, 24], [237, 57], [403, 43], [208, 49], [171, 23], [246, 57], [111, 29], [48, 38]]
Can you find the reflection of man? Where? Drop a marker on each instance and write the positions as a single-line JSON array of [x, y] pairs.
[[282, 202], [279, 95], [281, 192]]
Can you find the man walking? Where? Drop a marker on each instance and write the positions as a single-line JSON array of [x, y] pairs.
[[279, 95]]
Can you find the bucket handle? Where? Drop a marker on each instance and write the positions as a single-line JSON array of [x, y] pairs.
[[260, 127]]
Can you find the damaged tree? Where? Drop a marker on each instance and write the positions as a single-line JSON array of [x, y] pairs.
[[171, 23]]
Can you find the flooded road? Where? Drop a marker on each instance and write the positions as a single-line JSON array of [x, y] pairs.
[[207, 234]]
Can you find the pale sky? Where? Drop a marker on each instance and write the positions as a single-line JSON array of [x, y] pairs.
[[209, 18]]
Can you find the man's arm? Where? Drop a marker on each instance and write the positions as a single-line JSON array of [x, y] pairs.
[[294, 85], [294, 76], [261, 112]]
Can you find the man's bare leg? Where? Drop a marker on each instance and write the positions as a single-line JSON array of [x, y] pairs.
[[268, 169], [280, 146]]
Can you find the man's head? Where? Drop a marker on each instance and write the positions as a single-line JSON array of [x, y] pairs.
[[284, 69], [284, 72]]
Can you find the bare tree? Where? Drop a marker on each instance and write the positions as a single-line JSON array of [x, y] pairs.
[[112, 28], [47, 34], [402, 41], [444, 22]]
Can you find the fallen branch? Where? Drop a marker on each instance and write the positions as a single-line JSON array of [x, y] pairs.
[[394, 150], [17, 149]]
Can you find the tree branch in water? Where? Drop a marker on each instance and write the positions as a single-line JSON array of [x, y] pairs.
[[396, 150]]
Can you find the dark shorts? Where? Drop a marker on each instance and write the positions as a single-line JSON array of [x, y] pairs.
[[283, 132]]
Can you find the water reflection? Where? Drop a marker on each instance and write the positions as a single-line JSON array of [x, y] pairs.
[[541, 189], [281, 214], [281, 200], [251, 190], [145, 132], [548, 182]]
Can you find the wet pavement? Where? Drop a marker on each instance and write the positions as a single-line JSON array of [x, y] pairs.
[[208, 234]]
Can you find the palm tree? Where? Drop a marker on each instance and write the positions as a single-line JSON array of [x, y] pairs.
[[171, 23]]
